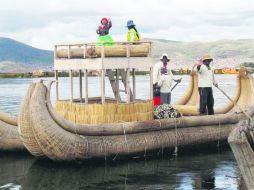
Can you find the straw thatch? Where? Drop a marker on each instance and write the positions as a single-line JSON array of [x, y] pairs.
[[9, 135], [141, 50], [61, 139], [105, 113], [241, 142]]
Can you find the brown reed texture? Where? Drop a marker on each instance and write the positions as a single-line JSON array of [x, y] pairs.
[[105, 113]]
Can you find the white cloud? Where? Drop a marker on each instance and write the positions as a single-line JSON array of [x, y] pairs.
[[42, 23]]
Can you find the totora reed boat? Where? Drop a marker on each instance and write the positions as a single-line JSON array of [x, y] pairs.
[[9, 135], [87, 128]]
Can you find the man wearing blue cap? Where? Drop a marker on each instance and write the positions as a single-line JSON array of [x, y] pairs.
[[133, 34]]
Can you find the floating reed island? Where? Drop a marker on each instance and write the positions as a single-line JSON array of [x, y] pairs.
[[90, 127]]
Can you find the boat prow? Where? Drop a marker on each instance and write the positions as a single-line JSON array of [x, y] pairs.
[[241, 141], [9, 135]]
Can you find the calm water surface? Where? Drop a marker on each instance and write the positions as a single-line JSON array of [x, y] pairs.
[[212, 169]]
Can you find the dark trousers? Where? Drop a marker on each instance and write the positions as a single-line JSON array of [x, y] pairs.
[[165, 98], [206, 100]]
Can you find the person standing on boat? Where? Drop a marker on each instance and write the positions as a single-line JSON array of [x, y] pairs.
[[103, 32], [133, 34], [205, 82], [163, 78]]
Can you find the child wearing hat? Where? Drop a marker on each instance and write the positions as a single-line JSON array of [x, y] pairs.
[[163, 77], [133, 34], [103, 32]]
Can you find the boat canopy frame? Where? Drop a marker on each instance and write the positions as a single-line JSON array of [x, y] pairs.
[[102, 64]]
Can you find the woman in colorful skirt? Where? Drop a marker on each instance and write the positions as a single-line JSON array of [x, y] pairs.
[[103, 32]]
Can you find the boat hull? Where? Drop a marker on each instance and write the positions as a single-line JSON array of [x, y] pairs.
[[60, 139]]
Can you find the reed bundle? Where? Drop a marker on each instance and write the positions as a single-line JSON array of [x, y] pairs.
[[105, 113], [140, 50]]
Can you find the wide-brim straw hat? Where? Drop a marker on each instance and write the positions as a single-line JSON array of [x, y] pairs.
[[207, 57], [165, 55]]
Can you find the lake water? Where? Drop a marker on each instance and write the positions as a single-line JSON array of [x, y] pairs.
[[215, 168]]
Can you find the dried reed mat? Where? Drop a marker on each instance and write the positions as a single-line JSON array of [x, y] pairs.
[[105, 113]]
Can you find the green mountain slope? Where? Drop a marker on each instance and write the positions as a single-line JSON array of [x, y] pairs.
[[25, 55]]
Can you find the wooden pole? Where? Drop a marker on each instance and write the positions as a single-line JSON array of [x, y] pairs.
[[57, 87], [102, 75], [117, 85], [103, 86], [134, 84], [128, 89], [71, 81], [151, 83], [69, 52], [55, 52], [128, 76], [86, 86], [80, 85]]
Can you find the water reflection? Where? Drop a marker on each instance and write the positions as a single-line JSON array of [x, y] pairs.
[[202, 171]]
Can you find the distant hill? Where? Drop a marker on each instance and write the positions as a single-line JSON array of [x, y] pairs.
[[23, 56], [19, 57], [239, 51]]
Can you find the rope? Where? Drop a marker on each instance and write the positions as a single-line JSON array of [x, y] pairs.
[[176, 136], [145, 147], [125, 138], [159, 122]]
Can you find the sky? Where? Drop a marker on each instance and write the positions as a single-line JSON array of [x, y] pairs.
[[44, 23]]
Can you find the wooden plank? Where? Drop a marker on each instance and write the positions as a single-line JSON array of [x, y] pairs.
[[86, 86], [71, 84], [80, 86], [77, 64], [108, 63], [57, 87]]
